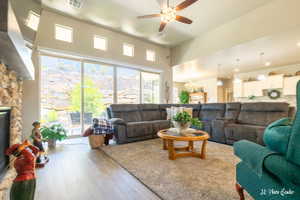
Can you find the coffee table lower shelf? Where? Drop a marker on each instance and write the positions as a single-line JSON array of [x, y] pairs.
[[187, 151]]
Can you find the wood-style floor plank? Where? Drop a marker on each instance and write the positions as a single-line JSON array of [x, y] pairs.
[[77, 173]]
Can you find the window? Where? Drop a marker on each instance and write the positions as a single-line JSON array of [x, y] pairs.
[[150, 87], [100, 43], [128, 85], [63, 33], [150, 55], [33, 20], [128, 50]]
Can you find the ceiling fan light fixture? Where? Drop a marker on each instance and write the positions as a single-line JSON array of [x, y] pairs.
[[168, 14]]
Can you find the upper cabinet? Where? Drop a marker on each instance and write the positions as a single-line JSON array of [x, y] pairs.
[[273, 82], [290, 84], [253, 88]]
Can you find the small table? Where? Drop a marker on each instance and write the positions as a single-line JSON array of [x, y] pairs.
[[168, 143]]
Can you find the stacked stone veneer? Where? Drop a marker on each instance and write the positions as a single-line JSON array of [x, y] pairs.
[[11, 96]]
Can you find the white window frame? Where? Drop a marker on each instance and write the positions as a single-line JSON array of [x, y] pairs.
[[32, 13], [64, 27], [103, 38], [128, 45], [154, 55]]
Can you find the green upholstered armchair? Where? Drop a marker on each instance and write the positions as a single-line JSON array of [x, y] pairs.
[[269, 174]]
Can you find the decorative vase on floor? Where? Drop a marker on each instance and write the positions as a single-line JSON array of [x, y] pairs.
[[52, 143], [182, 127]]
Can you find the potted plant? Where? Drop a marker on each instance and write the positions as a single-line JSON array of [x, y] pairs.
[[183, 120], [184, 97], [53, 133]]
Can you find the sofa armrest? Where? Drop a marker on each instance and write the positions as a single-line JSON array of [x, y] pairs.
[[117, 121], [252, 154], [286, 171]]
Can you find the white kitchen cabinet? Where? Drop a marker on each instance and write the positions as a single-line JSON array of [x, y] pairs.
[[238, 90], [290, 84], [273, 82], [253, 88]]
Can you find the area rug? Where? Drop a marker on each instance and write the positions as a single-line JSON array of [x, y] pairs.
[[181, 179]]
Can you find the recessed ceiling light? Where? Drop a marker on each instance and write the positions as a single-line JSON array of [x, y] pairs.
[[298, 44], [236, 69], [268, 64], [76, 3]]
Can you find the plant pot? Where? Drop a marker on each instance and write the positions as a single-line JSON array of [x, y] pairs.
[[51, 143], [182, 127]]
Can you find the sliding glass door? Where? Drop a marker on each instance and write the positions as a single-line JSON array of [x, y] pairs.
[[73, 92], [97, 91], [128, 86], [60, 93], [150, 87]]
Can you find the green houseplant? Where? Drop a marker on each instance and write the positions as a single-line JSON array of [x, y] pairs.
[[184, 97], [183, 120], [53, 133]]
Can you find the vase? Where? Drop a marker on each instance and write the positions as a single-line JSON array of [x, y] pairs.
[[182, 127], [52, 143]]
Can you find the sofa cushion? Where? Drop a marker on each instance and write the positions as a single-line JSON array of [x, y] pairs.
[[207, 126], [232, 111], [150, 112], [262, 113], [236, 132], [212, 111], [139, 129], [160, 124], [127, 112]]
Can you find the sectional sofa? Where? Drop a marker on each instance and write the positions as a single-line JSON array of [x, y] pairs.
[[225, 122]]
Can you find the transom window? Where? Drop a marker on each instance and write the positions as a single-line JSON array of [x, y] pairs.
[[128, 50], [100, 43], [63, 33], [33, 20], [150, 55]]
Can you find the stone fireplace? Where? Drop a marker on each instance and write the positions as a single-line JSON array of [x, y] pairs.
[[10, 97]]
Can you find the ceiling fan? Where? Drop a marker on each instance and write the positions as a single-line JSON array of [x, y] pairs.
[[169, 14]]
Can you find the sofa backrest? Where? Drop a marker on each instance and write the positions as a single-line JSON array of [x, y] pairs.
[[262, 113], [150, 112], [212, 111], [127, 112], [232, 110]]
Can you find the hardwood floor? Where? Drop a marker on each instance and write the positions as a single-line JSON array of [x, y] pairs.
[[77, 173]]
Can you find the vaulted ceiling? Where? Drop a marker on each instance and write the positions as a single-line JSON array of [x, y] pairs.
[[121, 15]]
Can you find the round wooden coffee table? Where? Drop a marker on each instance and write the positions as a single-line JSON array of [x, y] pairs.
[[169, 138]]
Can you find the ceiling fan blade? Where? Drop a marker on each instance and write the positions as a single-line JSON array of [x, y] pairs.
[[183, 19], [185, 4], [148, 16], [162, 26]]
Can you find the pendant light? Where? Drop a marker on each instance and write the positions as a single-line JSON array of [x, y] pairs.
[[237, 69], [219, 82]]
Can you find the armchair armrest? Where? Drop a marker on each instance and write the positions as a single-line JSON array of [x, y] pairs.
[[286, 171], [117, 121], [252, 154]]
